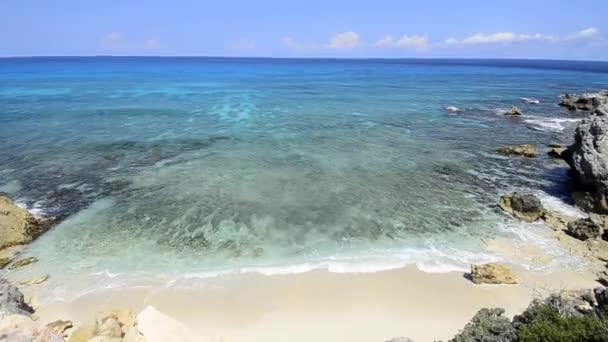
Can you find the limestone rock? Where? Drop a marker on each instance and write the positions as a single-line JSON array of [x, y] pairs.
[[12, 301], [60, 326], [556, 221], [525, 150], [584, 229], [492, 273], [588, 159], [118, 326], [526, 207], [17, 225], [585, 102], [514, 111]]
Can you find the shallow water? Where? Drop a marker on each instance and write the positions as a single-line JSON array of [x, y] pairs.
[[197, 167]]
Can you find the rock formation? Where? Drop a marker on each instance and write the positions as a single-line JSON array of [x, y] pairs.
[[17, 225], [492, 273], [526, 150], [526, 207], [584, 102], [588, 159]]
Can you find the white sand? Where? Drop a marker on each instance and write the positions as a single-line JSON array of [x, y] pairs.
[[320, 306]]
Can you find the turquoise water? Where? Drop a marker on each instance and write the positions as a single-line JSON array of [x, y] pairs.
[[191, 166]]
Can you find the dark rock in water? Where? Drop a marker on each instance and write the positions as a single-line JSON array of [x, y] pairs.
[[514, 111], [526, 207], [526, 150], [556, 152], [588, 158], [488, 325], [11, 301], [585, 102], [584, 229]]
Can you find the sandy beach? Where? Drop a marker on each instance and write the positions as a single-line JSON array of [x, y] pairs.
[[321, 306]]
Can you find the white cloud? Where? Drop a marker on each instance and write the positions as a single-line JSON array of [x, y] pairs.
[[340, 41], [405, 42], [510, 37], [112, 40], [344, 40]]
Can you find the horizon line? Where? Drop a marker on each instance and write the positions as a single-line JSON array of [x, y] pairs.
[[301, 57]]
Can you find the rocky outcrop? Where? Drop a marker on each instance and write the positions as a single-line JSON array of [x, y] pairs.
[[17, 225], [118, 326], [492, 273], [556, 221], [514, 112], [556, 152], [584, 229], [525, 207], [23, 329], [588, 159], [525, 150], [11, 301], [584, 102]]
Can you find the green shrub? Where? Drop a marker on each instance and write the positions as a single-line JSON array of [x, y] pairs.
[[488, 325], [542, 323]]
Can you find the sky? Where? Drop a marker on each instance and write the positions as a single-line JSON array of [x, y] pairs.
[[556, 29]]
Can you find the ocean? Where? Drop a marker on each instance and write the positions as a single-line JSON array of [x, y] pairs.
[[187, 168]]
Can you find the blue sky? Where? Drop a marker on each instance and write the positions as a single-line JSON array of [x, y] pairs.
[[431, 28]]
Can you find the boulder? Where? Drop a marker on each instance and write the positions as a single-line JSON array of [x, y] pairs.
[[525, 150], [588, 159], [525, 207], [12, 301], [584, 229], [492, 273], [514, 111], [17, 225]]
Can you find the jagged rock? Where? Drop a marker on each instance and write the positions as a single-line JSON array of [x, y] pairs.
[[492, 273], [488, 325], [514, 111], [526, 207], [555, 220], [525, 150], [583, 200], [601, 296], [556, 152], [12, 301], [584, 102], [588, 159], [17, 225], [584, 229], [602, 110], [22, 263]]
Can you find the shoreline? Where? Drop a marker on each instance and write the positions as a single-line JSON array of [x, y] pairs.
[[401, 302]]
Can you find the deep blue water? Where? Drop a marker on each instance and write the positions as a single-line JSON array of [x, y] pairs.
[[186, 165]]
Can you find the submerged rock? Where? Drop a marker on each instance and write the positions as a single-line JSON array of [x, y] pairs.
[[514, 111], [17, 225], [525, 150], [492, 273], [60, 326], [588, 159], [525, 207], [584, 229], [22, 263], [12, 301], [34, 281]]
